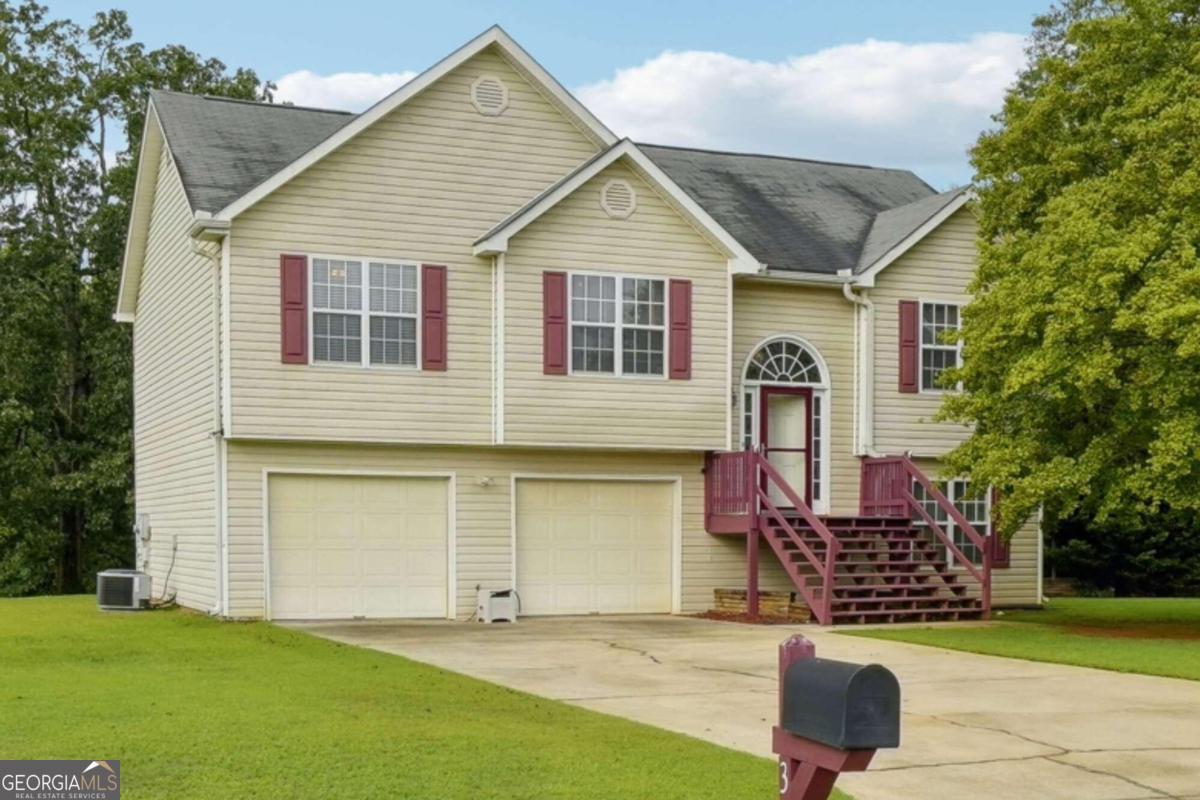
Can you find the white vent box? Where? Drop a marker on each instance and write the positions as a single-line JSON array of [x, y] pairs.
[[123, 589], [496, 606]]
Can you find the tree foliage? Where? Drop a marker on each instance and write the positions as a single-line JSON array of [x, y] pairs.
[[1082, 349], [72, 106]]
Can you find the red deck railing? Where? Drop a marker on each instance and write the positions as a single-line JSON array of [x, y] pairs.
[[886, 491], [737, 500]]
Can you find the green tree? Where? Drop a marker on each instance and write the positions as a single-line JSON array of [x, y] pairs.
[[1082, 347], [72, 106]]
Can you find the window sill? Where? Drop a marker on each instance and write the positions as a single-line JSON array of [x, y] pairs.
[[608, 376], [385, 369]]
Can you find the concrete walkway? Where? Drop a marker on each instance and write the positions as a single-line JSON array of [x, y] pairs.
[[973, 727]]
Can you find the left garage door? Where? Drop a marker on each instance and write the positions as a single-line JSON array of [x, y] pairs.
[[355, 546]]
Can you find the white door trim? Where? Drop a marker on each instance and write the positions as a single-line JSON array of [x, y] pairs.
[[451, 522], [676, 519]]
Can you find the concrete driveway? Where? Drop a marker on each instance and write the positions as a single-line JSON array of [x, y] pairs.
[[974, 726]]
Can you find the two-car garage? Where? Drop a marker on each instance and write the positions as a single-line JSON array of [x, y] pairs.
[[383, 546]]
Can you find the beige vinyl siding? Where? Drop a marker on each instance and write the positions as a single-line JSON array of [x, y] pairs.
[[483, 515], [824, 319], [420, 185], [174, 401], [938, 268], [610, 411], [1017, 585]]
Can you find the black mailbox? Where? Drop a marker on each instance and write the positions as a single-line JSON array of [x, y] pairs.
[[849, 706]]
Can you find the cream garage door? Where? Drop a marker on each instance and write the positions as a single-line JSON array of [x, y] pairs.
[[354, 546], [594, 546]]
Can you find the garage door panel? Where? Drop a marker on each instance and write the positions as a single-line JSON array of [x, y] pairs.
[[354, 546], [618, 564], [335, 601], [588, 546]]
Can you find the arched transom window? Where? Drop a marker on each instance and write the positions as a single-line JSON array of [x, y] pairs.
[[783, 361]]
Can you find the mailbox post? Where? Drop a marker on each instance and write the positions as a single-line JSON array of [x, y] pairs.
[[833, 716]]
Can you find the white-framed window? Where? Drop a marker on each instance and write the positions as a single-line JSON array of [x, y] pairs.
[[976, 510], [378, 330], [618, 325], [937, 355]]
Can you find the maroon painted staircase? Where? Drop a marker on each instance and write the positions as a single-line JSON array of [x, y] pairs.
[[876, 567], [885, 570]]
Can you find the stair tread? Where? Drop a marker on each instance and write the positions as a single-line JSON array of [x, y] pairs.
[[961, 602], [884, 612]]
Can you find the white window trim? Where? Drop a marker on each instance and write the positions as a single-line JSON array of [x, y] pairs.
[[822, 390], [618, 327], [363, 313], [949, 526], [921, 346]]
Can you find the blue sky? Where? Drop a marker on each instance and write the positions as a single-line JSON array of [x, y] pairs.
[[881, 81]]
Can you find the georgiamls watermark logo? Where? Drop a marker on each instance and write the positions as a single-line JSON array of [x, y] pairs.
[[60, 780]]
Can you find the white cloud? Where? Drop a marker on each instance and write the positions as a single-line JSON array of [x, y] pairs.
[[887, 103], [347, 91]]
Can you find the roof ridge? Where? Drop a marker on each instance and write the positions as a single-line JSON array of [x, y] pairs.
[[259, 103], [779, 157]]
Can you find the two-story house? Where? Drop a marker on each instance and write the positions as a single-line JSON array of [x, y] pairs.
[[470, 339]]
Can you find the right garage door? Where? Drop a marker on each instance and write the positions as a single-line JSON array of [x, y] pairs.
[[589, 546]]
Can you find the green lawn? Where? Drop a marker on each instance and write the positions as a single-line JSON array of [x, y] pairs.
[[198, 708], [1148, 636]]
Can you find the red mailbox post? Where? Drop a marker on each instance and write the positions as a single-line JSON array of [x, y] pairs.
[[832, 718]]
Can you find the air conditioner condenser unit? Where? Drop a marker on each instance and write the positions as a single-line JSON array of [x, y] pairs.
[[123, 589]]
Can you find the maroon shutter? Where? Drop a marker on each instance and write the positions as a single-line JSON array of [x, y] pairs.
[[1000, 546], [681, 330], [909, 348], [433, 317], [293, 309], [554, 323]]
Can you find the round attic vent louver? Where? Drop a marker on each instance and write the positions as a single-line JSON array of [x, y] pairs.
[[618, 199], [489, 95]]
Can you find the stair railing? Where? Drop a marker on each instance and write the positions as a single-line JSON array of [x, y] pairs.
[[886, 490], [737, 500], [822, 608]]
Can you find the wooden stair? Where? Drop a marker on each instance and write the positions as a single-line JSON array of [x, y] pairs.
[[886, 571]]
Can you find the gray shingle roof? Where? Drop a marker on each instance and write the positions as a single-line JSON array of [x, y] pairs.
[[224, 148], [791, 214], [894, 225]]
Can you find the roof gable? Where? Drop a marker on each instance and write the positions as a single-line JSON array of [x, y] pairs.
[[895, 231], [496, 240], [493, 37]]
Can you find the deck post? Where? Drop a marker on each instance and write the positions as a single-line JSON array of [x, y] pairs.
[[752, 572]]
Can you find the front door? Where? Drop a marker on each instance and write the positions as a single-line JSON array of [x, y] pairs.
[[785, 436]]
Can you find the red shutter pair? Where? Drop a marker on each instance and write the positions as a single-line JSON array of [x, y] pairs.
[[554, 326], [293, 301]]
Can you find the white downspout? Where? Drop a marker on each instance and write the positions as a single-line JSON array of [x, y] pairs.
[[865, 356], [204, 248], [499, 280]]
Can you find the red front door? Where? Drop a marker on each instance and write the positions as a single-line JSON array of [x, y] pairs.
[[785, 437]]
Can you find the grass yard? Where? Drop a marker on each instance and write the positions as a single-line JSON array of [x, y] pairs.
[[1148, 636], [196, 708]]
